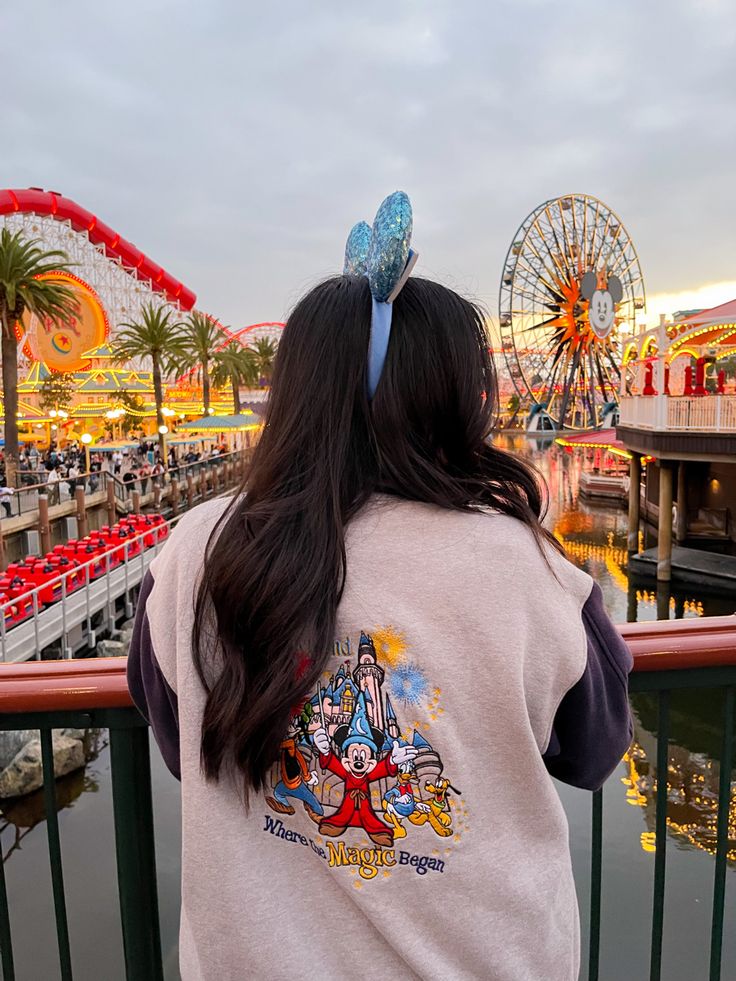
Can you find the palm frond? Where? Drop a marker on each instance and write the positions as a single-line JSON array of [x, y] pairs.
[[155, 334]]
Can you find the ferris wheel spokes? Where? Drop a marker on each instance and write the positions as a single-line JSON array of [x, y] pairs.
[[554, 353]]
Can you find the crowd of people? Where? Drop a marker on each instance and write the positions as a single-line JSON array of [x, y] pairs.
[[63, 469]]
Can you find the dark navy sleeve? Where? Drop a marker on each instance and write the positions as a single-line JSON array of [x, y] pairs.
[[593, 728], [154, 697]]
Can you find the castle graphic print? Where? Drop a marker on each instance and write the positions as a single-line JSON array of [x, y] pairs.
[[355, 761]]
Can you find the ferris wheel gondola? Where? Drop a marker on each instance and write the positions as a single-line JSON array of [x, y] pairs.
[[571, 280]]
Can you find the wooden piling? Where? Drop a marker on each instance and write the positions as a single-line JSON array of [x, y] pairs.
[[681, 529], [3, 562], [110, 505], [44, 526], [174, 495], [634, 502], [82, 523], [664, 539]]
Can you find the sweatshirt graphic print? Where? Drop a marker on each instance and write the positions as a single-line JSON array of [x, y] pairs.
[[359, 759]]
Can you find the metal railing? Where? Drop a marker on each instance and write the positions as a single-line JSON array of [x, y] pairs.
[[668, 656], [680, 413], [24, 499], [91, 694]]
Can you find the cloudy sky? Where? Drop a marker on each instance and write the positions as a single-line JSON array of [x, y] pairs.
[[236, 142]]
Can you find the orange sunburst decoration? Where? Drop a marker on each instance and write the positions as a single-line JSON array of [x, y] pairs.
[[61, 344], [571, 276], [571, 325]]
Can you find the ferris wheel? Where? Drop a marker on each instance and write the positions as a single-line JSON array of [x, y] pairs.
[[570, 281]]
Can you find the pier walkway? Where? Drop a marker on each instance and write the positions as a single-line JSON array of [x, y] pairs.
[[691, 565]]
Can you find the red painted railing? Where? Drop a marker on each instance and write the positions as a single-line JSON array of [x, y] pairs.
[[44, 686]]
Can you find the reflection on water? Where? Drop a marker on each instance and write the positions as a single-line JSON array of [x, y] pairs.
[[594, 536]]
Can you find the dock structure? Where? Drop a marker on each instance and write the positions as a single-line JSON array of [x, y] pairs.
[[715, 572], [678, 422]]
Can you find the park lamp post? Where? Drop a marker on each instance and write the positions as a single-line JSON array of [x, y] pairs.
[[86, 439], [162, 431]]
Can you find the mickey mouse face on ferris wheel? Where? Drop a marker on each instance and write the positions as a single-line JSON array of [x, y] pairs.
[[603, 295]]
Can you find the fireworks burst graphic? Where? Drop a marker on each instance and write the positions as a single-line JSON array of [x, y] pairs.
[[409, 684], [390, 645]]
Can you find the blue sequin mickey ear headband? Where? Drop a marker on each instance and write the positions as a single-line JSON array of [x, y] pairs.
[[383, 255]]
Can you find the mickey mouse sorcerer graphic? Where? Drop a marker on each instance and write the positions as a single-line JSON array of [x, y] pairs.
[[603, 293], [358, 765]]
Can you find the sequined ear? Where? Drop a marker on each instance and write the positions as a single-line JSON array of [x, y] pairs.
[[389, 247], [356, 249]]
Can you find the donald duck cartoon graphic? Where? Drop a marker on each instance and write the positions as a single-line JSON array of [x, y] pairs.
[[358, 765]]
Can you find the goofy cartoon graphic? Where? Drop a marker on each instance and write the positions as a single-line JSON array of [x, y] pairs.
[[296, 779], [358, 766]]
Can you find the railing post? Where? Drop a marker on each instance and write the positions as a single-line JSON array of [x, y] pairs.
[[190, 490], [44, 528], [595, 886], [203, 483], [660, 838], [136, 495], [660, 411], [722, 842], [136, 858], [110, 501], [6, 940], [57, 872], [157, 496], [82, 525]]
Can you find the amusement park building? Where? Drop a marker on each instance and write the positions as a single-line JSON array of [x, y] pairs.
[[678, 406]]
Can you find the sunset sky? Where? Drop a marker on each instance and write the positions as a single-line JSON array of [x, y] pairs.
[[236, 144]]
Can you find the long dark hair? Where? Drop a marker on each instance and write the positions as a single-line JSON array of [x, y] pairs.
[[275, 564]]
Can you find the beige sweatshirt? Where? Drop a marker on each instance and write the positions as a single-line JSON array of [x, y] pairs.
[[411, 829]]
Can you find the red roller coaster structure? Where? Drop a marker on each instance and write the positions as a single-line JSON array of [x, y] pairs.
[[50, 204]]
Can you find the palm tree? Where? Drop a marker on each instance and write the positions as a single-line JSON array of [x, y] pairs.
[[22, 262], [235, 365], [202, 339], [158, 336], [265, 352]]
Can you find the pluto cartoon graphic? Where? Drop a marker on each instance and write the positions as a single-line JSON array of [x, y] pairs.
[[603, 295]]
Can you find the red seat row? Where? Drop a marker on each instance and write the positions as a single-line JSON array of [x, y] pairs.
[[103, 549]]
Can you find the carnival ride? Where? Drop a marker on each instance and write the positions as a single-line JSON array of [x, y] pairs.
[[37, 582], [571, 280], [112, 280], [122, 276]]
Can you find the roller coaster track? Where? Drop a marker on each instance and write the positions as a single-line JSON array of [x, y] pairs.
[[50, 204]]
